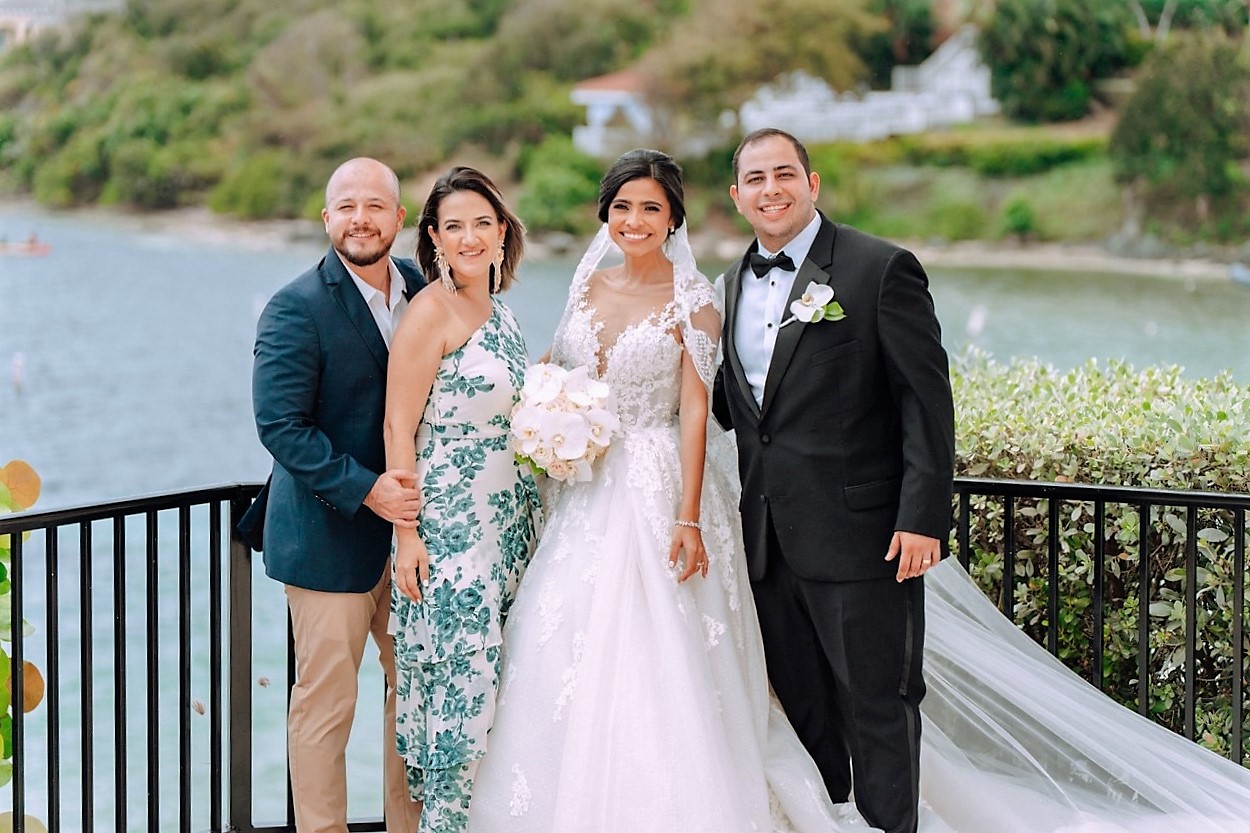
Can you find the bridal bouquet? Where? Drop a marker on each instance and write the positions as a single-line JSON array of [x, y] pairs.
[[563, 422]]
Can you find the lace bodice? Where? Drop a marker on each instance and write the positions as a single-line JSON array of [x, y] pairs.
[[642, 364]]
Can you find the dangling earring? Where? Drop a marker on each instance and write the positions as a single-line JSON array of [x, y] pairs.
[[496, 279], [444, 271]]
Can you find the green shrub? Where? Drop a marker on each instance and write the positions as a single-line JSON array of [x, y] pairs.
[[561, 185], [956, 210], [1043, 54], [1185, 127], [1109, 424], [266, 184], [1002, 153], [1019, 218]]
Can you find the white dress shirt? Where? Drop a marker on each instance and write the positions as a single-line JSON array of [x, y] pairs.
[[762, 308], [386, 311]]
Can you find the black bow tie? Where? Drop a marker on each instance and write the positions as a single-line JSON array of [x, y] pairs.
[[761, 264]]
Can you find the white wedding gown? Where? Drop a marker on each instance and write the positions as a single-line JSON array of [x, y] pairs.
[[634, 704]]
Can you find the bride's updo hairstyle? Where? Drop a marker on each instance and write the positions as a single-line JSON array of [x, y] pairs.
[[463, 178], [644, 164]]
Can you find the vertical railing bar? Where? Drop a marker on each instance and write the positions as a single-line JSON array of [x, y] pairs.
[[86, 656], [17, 658], [1052, 571], [1191, 621], [152, 548], [1008, 604], [1239, 638], [52, 593], [1100, 587], [965, 524], [1143, 609], [215, 567], [184, 669], [119, 672], [240, 693]]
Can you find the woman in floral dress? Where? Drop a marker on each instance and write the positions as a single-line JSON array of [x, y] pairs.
[[457, 364]]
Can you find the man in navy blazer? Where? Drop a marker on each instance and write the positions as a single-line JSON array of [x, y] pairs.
[[319, 391]]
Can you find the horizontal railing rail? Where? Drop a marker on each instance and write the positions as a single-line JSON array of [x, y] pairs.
[[116, 655]]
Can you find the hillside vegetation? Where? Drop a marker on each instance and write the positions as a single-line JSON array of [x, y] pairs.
[[248, 104]]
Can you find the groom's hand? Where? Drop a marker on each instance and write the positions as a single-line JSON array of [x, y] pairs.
[[915, 553]]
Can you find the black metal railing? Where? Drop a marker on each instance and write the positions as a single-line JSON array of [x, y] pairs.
[[148, 721], [1165, 546], [162, 695]]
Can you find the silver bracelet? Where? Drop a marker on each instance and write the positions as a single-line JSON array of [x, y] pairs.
[[691, 524]]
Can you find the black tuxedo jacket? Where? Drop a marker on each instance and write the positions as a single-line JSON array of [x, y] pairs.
[[855, 436], [319, 395]]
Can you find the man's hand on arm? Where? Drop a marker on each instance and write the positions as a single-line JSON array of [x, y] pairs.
[[396, 498]]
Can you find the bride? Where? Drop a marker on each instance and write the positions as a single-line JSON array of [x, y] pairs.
[[634, 695]]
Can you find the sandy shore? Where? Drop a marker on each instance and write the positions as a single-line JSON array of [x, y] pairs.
[[202, 225]]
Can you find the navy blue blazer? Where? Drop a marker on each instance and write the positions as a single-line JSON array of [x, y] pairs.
[[319, 395]]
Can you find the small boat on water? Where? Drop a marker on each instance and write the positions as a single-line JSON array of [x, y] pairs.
[[26, 248]]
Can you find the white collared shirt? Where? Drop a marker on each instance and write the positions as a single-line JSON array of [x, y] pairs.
[[762, 307], [386, 312]]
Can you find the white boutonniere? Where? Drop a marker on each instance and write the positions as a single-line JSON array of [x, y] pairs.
[[816, 304]]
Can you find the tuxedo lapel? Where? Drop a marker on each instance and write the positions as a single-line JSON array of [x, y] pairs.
[[733, 288], [352, 303], [812, 270]]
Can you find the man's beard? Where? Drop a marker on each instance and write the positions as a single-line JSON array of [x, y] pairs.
[[368, 257]]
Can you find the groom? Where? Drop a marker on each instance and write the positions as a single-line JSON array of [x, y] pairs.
[[845, 431]]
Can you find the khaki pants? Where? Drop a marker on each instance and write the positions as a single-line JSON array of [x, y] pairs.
[[330, 631]]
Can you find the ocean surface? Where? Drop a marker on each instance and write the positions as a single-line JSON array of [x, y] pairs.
[[125, 359]]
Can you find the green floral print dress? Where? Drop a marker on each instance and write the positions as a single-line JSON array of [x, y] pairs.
[[478, 522]]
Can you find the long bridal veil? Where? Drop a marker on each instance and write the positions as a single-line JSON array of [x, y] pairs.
[[1014, 741]]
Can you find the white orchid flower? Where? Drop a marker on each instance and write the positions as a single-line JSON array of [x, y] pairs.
[[543, 383], [816, 304], [603, 425], [526, 430], [568, 434], [811, 307], [582, 390]]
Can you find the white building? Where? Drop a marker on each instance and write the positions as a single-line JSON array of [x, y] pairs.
[[951, 86], [22, 19], [617, 116]]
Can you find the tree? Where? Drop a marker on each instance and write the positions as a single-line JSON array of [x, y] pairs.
[[1185, 128], [907, 40], [716, 58], [1043, 54]]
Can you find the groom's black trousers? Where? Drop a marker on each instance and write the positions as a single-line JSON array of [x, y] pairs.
[[845, 659]]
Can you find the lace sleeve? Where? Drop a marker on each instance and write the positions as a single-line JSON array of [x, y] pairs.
[[700, 325]]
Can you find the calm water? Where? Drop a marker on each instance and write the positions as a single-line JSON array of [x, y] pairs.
[[134, 349], [125, 362]]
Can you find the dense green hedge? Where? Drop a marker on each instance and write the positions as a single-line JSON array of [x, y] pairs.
[[1008, 153], [1111, 424]]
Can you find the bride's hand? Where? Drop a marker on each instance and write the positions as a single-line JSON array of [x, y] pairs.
[[412, 566], [689, 539]]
